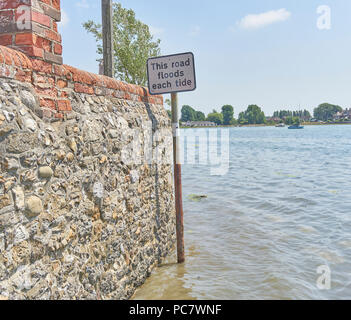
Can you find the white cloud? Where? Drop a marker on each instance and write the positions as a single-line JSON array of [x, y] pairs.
[[156, 31], [195, 31], [83, 4], [255, 21]]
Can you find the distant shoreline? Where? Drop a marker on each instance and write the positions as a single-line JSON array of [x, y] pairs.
[[270, 125]]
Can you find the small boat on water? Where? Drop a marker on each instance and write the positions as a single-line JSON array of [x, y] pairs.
[[295, 126], [280, 125]]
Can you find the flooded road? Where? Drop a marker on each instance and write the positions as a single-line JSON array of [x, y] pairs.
[[281, 212]]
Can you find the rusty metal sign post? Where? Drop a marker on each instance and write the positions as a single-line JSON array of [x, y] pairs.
[[178, 180], [173, 74]]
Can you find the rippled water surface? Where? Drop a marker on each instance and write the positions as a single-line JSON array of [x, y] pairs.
[[282, 210]]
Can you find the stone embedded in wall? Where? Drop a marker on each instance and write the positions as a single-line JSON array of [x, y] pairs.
[[5, 201], [33, 206], [10, 164], [21, 234], [18, 196], [21, 142], [5, 131], [30, 124], [28, 99], [134, 176], [73, 145], [45, 172]]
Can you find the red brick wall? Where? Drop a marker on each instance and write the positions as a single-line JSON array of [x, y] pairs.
[[31, 27]]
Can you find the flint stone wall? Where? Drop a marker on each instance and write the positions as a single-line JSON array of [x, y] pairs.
[[78, 218]]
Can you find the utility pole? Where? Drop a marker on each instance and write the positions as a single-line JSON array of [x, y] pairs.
[[178, 180], [107, 37]]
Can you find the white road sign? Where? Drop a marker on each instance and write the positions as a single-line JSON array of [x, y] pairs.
[[173, 73]]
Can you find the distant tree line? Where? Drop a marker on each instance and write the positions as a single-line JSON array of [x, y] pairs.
[[324, 112], [290, 117], [302, 114], [225, 117], [254, 115]]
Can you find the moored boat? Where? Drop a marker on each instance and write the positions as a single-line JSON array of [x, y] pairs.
[[295, 126]]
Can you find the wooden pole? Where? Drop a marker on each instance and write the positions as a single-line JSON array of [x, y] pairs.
[[177, 180], [107, 37]]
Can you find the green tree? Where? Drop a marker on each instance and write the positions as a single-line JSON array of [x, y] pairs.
[[133, 45], [326, 111], [306, 115], [200, 116], [188, 114], [168, 102], [289, 120], [296, 121], [228, 115], [242, 119], [252, 115], [215, 117], [292, 120]]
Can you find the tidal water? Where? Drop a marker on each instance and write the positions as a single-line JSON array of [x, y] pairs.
[[281, 211]]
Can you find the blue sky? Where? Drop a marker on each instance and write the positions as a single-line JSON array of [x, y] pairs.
[[265, 52]]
